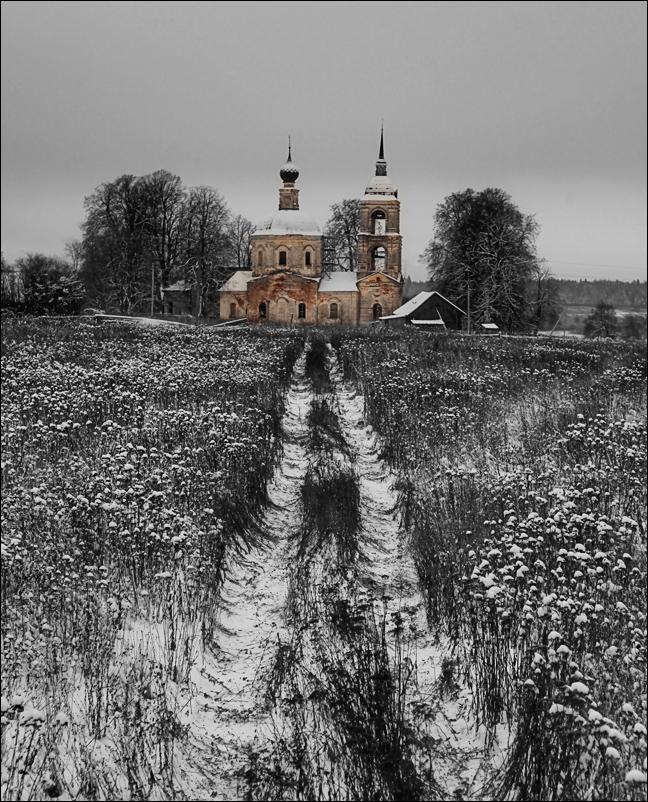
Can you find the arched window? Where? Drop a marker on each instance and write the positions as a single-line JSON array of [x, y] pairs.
[[377, 311], [333, 311], [259, 258], [263, 310], [307, 258], [378, 222], [301, 311], [379, 260], [232, 310], [283, 257]]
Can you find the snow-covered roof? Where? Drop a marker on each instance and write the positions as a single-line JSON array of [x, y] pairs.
[[289, 221], [237, 282], [378, 273], [284, 272], [380, 185], [373, 196], [179, 286], [492, 326], [339, 281], [438, 322], [412, 305]]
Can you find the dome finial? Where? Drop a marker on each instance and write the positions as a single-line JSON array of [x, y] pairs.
[[289, 173]]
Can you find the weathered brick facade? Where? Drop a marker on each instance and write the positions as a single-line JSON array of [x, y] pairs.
[[286, 286]]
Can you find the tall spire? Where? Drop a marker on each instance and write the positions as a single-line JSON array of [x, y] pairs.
[[381, 164]]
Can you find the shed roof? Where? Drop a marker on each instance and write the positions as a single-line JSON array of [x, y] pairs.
[[178, 286], [491, 326], [418, 300], [339, 281], [237, 282], [437, 322], [412, 305]]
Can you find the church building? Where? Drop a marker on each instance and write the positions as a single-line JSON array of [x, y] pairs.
[[286, 284]]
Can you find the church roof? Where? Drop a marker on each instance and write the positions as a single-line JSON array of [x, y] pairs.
[[339, 281], [381, 185], [289, 221], [237, 282]]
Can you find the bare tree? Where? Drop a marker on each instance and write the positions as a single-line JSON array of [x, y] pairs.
[[483, 250], [115, 245], [74, 253], [341, 236], [240, 232], [204, 242]]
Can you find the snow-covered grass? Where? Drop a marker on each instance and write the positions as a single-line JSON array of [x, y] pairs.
[[275, 564]]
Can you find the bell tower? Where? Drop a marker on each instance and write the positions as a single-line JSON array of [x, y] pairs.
[[379, 239]]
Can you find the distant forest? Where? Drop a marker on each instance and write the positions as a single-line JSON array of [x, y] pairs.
[[620, 294]]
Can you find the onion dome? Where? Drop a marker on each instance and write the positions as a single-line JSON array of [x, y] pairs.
[[289, 172]]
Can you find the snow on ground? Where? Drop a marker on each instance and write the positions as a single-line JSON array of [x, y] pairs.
[[229, 715], [389, 571]]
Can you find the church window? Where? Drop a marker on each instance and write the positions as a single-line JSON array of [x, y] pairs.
[[301, 311], [259, 258], [378, 222], [333, 312], [379, 261], [283, 258], [377, 311], [232, 310], [263, 310], [307, 259]]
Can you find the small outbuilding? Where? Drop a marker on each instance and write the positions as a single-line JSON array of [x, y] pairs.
[[489, 328], [430, 311], [177, 299]]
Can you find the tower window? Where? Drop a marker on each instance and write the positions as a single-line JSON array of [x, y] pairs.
[[301, 311], [333, 311], [378, 222], [232, 310], [263, 311], [259, 258], [376, 311], [283, 258], [379, 259], [307, 258]]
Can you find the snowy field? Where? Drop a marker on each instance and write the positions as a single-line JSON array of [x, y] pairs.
[[283, 564]]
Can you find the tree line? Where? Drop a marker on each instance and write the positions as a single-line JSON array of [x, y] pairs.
[[140, 234]]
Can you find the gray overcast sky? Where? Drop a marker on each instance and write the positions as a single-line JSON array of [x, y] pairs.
[[545, 100]]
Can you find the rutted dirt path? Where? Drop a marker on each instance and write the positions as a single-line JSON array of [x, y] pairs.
[[230, 714], [388, 570]]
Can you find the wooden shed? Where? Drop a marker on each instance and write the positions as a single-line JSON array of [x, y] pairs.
[[430, 311]]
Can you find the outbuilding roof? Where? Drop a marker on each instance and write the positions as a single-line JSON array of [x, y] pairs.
[[418, 300], [237, 282], [178, 286], [339, 281]]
